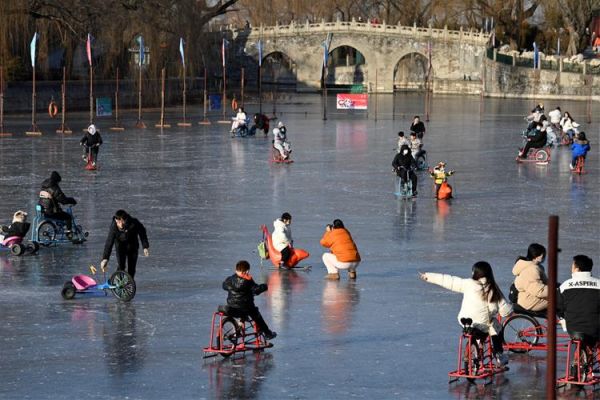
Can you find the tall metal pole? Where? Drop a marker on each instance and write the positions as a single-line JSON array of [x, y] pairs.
[[260, 87], [2, 133], [552, 273], [376, 103], [184, 123], [325, 69], [117, 126]]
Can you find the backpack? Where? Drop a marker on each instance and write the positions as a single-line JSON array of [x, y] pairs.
[[513, 294], [263, 253]]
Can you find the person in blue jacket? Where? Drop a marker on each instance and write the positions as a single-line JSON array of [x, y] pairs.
[[579, 148]]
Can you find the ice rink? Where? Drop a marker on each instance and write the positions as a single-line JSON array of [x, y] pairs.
[[203, 196]]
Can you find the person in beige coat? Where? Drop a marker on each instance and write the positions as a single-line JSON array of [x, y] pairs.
[[530, 279]]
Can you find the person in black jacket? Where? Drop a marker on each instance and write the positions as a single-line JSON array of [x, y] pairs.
[[124, 231], [404, 165], [418, 127], [51, 197], [579, 301], [240, 300], [536, 141], [91, 142], [19, 226]]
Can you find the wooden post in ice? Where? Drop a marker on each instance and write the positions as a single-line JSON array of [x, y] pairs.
[[35, 131], [205, 120], [184, 122], [64, 129], [2, 132], [117, 126], [162, 124]]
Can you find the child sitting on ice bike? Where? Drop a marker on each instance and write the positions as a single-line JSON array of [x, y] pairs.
[[579, 148], [439, 175], [240, 300], [482, 301], [91, 142], [18, 228]]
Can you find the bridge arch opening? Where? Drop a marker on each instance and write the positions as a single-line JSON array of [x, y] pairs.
[[346, 66], [278, 68], [411, 73]]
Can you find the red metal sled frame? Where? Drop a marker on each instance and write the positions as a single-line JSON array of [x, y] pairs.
[[245, 339], [589, 379], [466, 366], [530, 336]]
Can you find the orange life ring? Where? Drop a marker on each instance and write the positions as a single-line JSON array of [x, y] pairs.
[[234, 104], [52, 109]]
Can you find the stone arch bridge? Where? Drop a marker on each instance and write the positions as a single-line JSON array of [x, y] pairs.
[[391, 57]]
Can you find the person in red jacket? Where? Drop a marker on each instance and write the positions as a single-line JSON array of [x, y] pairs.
[[344, 254]]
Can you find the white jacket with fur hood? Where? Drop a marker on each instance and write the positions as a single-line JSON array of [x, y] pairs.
[[482, 311], [282, 235]]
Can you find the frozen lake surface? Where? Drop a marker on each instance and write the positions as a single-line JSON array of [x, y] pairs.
[[202, 197]]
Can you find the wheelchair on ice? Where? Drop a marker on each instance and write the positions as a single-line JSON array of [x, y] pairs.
[[48, 231], [230, 335]]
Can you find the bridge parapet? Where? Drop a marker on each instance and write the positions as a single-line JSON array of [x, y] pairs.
[[418, 33]]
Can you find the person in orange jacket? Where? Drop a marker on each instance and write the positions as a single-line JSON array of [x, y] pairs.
[[343, 255]]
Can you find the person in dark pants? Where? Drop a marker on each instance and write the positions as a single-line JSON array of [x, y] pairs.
[[91, 142], [240, 300], [404, 166], [418, 127], [536, 141], [124, 232], [51, 197]]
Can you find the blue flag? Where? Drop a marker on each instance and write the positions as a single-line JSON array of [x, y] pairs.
[[32, 48], [181, 44], [260, 52], [536, 56], [142, 49]]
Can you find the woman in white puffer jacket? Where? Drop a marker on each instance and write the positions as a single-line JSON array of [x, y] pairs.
[[482, 301], [282, 237]]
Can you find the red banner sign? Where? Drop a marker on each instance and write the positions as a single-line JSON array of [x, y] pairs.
[[348, 101]]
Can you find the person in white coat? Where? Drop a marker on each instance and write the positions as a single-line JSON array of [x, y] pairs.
[[280, 142], [482, 301], [282, 237], [239, 120]]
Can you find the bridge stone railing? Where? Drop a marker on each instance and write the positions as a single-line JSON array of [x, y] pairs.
[[295, 28]]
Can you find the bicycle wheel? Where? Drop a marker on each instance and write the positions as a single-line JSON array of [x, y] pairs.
[[124, 285], [521, 329], [541, 155], [46, 232], [585, 369], [228, 340]]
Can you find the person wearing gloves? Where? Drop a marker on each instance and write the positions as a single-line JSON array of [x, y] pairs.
[[51, 197], [241, 290], [91, 142], [282, 237], [482, 301], [404, 166], [124, 233]]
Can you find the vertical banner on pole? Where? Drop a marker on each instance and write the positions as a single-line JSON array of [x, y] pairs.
[[32, 47], [140, 124], [182, 54]]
